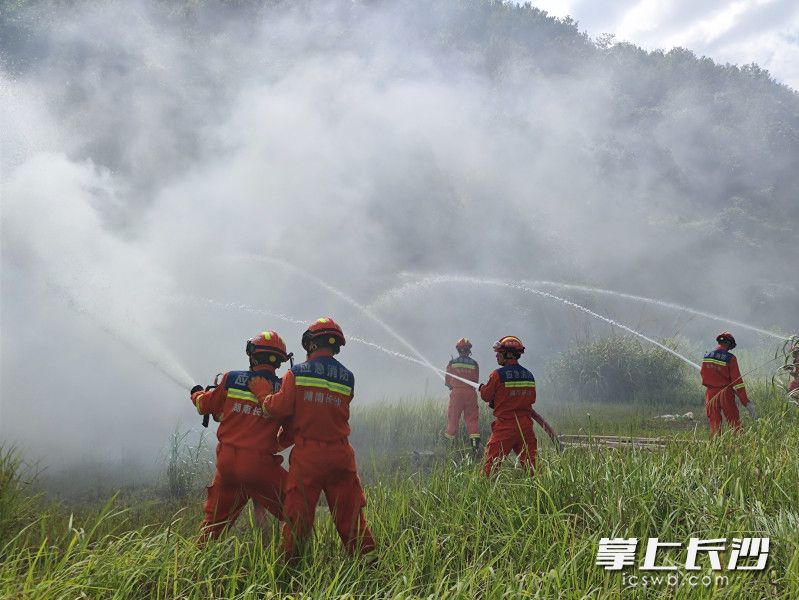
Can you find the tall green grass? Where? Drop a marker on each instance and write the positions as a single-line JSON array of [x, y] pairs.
[[17, 502], [446, 531], [188, 464], [620, 369]]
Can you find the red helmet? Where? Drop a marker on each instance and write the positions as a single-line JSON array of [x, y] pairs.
[[726, 338], [509, 343], [323, 327], [268, 341], [463, 344]]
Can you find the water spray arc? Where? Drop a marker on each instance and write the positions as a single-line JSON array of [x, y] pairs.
[[149, 350], [661, 303], [296, 321], [280, 316], [352, 302], [425, 281], [442, 279]]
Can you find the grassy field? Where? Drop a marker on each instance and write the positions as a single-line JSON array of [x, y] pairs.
[[443, 530]]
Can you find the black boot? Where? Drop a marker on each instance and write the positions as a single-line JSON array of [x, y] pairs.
[[475, 442]]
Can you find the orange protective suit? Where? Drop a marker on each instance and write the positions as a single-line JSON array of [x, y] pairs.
[[510, 390], [316, 395], [793, 386], [246, 465], [462, 397], [722, 380]]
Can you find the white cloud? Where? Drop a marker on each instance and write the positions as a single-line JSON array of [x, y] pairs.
[[762, 31]]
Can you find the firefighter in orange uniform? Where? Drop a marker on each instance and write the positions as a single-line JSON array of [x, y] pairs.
[[246, 463], [793, 386], [722, 380], [463, 397], [316, 395], [510, 391]]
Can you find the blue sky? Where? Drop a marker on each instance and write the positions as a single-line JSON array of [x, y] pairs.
[[738, 31]]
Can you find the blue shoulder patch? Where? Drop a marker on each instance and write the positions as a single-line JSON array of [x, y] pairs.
[[240, 380], [325, 367], [463, 360], [515, 373]]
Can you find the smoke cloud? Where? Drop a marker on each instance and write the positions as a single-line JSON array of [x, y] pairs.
[[152, 152]]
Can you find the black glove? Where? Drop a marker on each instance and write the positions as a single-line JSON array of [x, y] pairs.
[[195, 389]]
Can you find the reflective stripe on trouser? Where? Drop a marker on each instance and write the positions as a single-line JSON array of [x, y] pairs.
[[316, 467], [511, 435], [718, 401], [242, 475], [462, 401]]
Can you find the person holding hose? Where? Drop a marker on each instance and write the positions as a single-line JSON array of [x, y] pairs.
[[247, 465], [316, 395], [793, 385], [722, 380], [463, 397], [510, 391]]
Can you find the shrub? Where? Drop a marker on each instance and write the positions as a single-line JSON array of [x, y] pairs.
[[622, 370]]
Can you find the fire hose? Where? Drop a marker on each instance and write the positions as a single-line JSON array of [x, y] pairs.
[[208, 388]]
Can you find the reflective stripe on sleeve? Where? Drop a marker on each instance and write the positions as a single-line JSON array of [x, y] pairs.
[[715, 362], [519, 384], [318, 382], [242, 395]]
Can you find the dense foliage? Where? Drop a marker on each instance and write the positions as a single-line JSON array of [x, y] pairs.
[[622, 370]]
